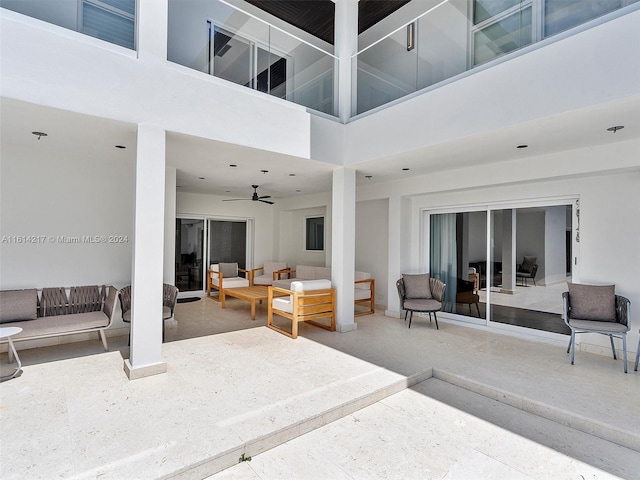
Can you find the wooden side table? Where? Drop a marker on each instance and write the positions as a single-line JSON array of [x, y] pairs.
[[8, 332]]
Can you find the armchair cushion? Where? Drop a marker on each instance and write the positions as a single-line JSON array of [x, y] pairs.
[[229, 270], [592, 302], [417, 286]]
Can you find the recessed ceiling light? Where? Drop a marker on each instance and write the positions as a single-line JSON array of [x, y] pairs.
[[405, 169], [178, 186], [615, 129], [264, 171], [292, 174], [522, 146], [298, 191], [201, 178], [40, 134], [368, 177], [233, 165], [227, 191]]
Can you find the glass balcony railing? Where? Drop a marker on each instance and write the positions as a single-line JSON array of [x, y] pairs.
[[113, 21], [454, 36], [216, 38]]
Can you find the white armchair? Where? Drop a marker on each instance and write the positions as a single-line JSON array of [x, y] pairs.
[[226, 275], [268, 270]]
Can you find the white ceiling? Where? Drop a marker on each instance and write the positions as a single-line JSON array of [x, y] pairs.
[[91, 138]]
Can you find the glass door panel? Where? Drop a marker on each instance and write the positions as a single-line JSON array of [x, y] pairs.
[[530, 266], [456, 256], [189, 254], [228, 242]]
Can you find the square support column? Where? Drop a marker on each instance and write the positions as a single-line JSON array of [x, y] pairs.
[[343, 245], [145, 357], [346, 45], [152, 20]]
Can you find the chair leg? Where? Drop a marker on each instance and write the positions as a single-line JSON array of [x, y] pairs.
[[405, 315], [573, 345], [436, 317], [637, 357], [478, 308], [569, 346], [429, 317], [613, 347], [624, 351], [410, 318]]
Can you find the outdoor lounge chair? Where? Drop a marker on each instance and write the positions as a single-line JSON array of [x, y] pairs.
[[596, 309], [420, 293]]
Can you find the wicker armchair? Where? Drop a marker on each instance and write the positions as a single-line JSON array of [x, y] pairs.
[[420, 293]]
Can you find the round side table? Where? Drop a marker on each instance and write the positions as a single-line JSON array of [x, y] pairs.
[[8, 332]]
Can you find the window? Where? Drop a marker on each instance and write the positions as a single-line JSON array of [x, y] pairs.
[[314, 233], [110, 20], [502, 26]]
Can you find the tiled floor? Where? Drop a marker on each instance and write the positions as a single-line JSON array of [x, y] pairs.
[[326, 405]]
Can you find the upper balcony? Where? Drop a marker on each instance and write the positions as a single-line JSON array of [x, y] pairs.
[[420, 46]]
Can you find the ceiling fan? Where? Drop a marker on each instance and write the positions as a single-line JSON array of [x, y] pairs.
[[254, 198]]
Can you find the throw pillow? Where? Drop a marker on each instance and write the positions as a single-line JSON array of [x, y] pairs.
[[17, 305], [229, 270], [592, 302], [417, 286]]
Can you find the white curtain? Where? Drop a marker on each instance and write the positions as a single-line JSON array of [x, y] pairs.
[[443, 259]]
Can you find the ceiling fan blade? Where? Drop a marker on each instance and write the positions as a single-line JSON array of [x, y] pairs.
[[267, 201], [235, 199], [264, 196]]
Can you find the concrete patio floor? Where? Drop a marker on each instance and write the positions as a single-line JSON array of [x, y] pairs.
[[380, 402]]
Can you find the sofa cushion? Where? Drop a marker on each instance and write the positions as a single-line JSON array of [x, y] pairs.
[[284, 283], [362, 276], [229, 270], [592, 302], [417, 286], [305, 272], [236, 282], [284, 304], [322, 272], [17, 305], [61, 324], [270, 267], [360, 294]]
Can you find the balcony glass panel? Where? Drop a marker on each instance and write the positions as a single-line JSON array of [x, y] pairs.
[[455, 36], [110, 20], [227, 43]]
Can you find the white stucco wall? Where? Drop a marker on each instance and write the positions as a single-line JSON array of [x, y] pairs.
[[372, 243], [72, 196]]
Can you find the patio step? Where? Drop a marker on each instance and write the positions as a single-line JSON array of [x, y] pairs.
[[570, 418]]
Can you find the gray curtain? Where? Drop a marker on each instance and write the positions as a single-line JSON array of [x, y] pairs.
[[443, 259]]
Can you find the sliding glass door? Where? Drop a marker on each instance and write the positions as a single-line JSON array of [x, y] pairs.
[[507, 266], [190, 254]]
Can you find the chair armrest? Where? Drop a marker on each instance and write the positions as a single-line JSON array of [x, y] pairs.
[[437, 288], [371, 281], [623, 305], [277, 275]]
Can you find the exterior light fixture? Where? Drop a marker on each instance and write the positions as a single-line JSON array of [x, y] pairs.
[[39, 134], [615, 129], [411, 36]]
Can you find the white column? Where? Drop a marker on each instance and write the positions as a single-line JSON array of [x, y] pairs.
[[346, 45], [395, 256], [169, 275], [152, 24], [145, 356], [343, 245], [508, 251]]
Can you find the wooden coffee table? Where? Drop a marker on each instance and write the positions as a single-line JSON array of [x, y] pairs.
[[248, 294]]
